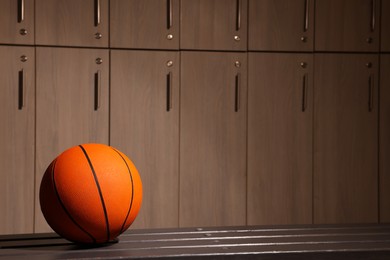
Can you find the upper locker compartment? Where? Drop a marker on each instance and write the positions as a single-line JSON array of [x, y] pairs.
[[146, 24], [347, 25], [17, 21], [281, 25], [72, 23], [214, 25]]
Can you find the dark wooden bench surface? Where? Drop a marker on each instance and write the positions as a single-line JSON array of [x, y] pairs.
[[254, 242]]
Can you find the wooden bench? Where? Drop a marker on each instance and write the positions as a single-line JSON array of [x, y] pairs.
[[248, 242]]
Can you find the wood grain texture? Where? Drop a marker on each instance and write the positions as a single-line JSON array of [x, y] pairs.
[[212, 140], [65, 111], [345, 25], [11, 26], [385, 26], [143, 129], [70, 23], [144, 24], [345, 139], [212, 25], [279, 25], [280, 139], [384, 139], [17, 141]]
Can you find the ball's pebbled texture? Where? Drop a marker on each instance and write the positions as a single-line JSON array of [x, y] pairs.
[[90, 193]]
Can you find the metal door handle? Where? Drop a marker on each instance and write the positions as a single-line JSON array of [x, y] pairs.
[[21, 89], [169, 91], [169, 14], [97, 89], [370, 92], [20, 11], [373, 14], [97, 13], [237, 92], [306, 20], [238, 15], [304, 93]]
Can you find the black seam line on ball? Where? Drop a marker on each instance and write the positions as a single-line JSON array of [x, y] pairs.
[[64, 208], [132, 190], [100, 192]]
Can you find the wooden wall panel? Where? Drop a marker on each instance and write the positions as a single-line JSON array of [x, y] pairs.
[[17, 133], [384, 139], [346, 138], [213, 139], [66, 111], [143, 127], [280, 138]]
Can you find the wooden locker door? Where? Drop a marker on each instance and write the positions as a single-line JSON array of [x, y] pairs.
[[72, 22], [17, 102], [385, 26], [281, 25], [213, 139], [72, 105], [384, 140], [346, 138], [145, 126], [146, 24], [17, 22], [213, 24], [280, 116], [347, 25]]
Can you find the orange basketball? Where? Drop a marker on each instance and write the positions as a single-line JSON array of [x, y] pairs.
[[90, 193]]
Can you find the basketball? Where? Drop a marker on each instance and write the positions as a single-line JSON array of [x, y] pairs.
[[91, 193]]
